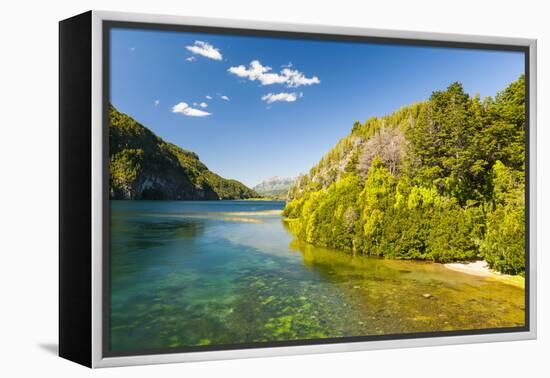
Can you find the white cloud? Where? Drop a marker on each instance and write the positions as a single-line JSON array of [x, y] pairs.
[[203, 105], [205, 49], [191, 59], [208, 97], [223, 97], [296, 78], [185, 109], [157, 102], [256, 71], [270, 98]]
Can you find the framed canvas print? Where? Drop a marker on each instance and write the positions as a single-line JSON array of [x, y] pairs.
[[240, 189]]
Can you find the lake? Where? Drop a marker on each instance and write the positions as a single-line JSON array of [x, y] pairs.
[[192, 273]]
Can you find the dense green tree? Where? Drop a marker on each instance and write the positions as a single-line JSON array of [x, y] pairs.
[[442, 143], [504, 136], [504, 244], [374, 200]]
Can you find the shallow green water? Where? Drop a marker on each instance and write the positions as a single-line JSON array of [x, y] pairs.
[[224, 272]]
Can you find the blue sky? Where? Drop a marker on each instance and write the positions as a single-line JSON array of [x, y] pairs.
[[318, 90]]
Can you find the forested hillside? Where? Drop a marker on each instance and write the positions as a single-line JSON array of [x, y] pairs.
[[440, 180], [143, 166]]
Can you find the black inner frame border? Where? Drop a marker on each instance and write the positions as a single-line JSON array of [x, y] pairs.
[[108, 25]]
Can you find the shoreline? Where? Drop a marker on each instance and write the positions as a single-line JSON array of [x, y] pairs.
[[480, 268]]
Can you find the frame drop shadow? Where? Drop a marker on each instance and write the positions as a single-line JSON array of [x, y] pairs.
[[51, 348]]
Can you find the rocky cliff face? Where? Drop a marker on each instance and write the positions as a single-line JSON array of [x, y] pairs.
[[144, 166]]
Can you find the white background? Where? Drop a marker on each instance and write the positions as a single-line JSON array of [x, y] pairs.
[[28, 186]]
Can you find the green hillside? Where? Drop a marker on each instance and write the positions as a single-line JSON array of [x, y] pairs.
[[143, 166], [440, 180]]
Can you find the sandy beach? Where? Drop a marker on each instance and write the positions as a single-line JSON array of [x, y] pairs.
[[481, 268]]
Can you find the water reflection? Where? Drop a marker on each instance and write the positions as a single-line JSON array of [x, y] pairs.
[[396, 296]]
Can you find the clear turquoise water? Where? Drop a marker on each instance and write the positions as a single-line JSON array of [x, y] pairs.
[[228, 272]]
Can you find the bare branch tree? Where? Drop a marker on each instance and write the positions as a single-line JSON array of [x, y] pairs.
[[389, 144]]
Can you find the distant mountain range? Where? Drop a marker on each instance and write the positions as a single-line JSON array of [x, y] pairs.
[[144, 166], [275, 186]]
